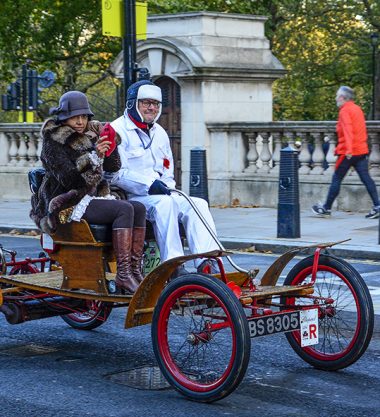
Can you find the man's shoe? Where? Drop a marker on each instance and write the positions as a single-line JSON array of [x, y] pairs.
[[374, 213], [181, 270], [320, 211], [208, 266]]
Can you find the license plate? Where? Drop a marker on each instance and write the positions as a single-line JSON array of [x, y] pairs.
[[152, 258], [306, 321], [309, 327]]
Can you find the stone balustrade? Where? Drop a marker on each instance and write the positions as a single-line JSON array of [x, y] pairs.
[[20, 149], [243, 161], [315, 141], [20, 144]]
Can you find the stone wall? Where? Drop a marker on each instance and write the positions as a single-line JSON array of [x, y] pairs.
[[243, 162]]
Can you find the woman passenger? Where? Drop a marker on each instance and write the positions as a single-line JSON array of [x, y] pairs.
[[73, 156]]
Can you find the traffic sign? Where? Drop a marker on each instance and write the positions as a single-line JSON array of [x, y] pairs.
[[141, 20], [113, 18]]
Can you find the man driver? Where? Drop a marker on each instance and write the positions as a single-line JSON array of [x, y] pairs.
[[147, 173]]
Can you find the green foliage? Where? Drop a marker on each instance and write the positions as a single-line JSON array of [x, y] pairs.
[[325, 46], [65, 35], [62, 36], [321, 43]]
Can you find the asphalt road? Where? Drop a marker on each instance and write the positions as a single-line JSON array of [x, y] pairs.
[[49, 369]]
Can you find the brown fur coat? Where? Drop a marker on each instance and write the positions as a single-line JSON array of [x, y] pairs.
[[69, 168]]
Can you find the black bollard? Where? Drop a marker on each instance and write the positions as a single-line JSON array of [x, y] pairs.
[[288, 214], [198, 173]]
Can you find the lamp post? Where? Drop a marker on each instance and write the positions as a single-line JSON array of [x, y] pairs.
[[129, 45], [374, 43]]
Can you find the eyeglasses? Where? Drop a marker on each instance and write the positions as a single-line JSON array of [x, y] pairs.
[[148, 103]]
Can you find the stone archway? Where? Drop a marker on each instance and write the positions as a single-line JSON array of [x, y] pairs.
[[170, 120], [165, 61]]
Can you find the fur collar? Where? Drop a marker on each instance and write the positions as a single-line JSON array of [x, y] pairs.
[[65, 135]]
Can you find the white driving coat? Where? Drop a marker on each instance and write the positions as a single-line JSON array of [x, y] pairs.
[[144, 159]]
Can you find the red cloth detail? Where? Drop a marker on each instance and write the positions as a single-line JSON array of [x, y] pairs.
[[138, 124], [166, 163], [109, 131]]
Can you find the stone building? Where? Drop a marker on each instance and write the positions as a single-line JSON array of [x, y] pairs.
[[216, 71], [213, 68]]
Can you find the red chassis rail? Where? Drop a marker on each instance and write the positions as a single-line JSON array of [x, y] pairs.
[[25, 266]]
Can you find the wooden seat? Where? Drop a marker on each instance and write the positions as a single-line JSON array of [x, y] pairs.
[[85, 253], [82, 257], [101, 232]]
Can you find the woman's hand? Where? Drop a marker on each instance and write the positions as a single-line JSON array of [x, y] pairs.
[[102, 146]]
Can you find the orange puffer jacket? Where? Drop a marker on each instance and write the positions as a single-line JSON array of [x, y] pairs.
[[351, 130]]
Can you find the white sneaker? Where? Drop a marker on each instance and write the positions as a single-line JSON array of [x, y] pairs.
[[320, 211], [374, 213]]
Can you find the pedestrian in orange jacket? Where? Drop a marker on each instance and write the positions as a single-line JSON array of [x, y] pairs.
[[352, 151]]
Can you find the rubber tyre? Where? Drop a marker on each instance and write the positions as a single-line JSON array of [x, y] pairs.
[[179, 316], [96, 315], [341, 343]]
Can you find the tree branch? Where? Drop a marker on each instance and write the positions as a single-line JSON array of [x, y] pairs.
[[97, 81], [370, 16]]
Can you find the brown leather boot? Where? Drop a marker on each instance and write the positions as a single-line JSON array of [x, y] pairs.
[[122, 245], [138, 252]]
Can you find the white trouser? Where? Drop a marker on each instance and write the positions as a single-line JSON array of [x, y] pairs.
[[165, 211]]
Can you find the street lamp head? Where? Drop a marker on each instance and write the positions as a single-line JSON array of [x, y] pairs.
[[374, 38]]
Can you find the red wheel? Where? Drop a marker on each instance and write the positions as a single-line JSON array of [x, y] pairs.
[[24, 270], [346, 314], [200, 337], [96, 314]]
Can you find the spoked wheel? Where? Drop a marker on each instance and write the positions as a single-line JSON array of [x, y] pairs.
[[24, 270], [200, 337], [95, 315], [345, 314]]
